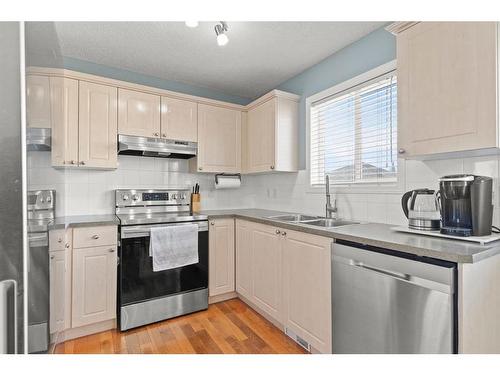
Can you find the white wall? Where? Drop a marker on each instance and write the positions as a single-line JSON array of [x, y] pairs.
[[85, 192], [89, 192]]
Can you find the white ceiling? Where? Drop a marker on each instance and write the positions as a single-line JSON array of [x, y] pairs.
[[258, 57]]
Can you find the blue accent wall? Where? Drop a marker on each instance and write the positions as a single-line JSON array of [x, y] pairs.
[[376, 48], [142, 79]]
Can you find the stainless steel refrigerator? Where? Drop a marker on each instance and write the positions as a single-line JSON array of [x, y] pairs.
[[11, 192]]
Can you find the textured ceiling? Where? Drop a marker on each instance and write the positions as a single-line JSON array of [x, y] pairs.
[[258, 57]]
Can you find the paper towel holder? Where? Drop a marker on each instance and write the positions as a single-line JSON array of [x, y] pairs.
[[238, 175]]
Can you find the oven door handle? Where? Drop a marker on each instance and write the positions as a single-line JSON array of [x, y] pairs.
[[145, 230]]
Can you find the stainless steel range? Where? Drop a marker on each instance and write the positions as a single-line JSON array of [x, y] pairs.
[[145, 296], [41, 212]]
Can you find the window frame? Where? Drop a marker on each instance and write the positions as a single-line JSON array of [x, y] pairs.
[[354, 187]]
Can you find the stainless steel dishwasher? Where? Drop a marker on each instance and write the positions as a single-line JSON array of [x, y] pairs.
[[387, 302]]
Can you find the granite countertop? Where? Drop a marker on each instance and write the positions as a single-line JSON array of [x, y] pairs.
[[380, 235], [83, 221]]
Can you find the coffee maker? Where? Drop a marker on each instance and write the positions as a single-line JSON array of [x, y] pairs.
[[466, 205]]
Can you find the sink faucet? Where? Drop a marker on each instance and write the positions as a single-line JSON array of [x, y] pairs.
[[330, 210]]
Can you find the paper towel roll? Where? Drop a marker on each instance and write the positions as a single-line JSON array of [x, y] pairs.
[[227, 182]]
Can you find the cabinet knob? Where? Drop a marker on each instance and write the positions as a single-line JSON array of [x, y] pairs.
[[111, 250], [283, 233], [272, 167], [82, 163], [95, 237], [212, 223], [156, 134], [277, 231], [66, 246], [200, 168], [401, 151], [52, 257], [59, 240], [164, 135]]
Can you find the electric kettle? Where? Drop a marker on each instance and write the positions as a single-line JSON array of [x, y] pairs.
[[421, 208]]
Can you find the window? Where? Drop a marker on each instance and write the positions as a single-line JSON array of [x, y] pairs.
[[353, 134]]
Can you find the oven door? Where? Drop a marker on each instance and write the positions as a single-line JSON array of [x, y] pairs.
[[137, 281]]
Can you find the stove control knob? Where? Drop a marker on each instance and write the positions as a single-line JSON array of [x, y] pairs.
[[183, 196], [125, 197], [48, 200], [135, 197], [174, 196]]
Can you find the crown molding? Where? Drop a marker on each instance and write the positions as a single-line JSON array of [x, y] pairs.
[[398, 27]]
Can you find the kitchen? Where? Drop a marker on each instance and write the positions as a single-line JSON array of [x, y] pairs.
[[307, 217]]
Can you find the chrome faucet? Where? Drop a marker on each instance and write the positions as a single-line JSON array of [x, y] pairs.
[[330, 210]]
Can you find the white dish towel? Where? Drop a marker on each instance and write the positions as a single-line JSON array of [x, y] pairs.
[[173, 246]]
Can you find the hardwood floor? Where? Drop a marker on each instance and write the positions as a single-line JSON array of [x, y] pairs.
[[226, 327]]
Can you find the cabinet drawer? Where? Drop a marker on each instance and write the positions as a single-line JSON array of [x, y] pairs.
[[94, 236], [59, 239]]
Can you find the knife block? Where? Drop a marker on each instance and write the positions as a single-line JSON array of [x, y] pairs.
[[195, 203]]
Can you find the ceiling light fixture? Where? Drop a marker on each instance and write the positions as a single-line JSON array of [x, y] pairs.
[[192, 23], [220, 31]]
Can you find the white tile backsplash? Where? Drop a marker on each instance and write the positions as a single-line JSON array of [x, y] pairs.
[[83, 192]]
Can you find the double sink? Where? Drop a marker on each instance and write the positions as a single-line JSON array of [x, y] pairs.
[[317, 221]]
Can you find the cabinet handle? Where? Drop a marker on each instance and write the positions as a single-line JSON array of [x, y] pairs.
[[272, 166], [156, 134], [401, 151], [95, 237], [73, 162], [111, 250], [277, 231]]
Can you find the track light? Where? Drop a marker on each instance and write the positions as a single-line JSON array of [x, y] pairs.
[[220, 31], [191, 23]]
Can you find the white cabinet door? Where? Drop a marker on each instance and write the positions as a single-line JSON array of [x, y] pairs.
[[98, 126], [307, 288], [60, 290], [94, 285], [221, 256], [266, 264], [64, 108], [219, 139], [179, 119], [447, 82], [260, 137], [38, 102], [138, 113], [244, 279]]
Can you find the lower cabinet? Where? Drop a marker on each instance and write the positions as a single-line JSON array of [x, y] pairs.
[[307, 288], [94, 285], [287, 274], [221, 257], [83, 277], [60, 290]]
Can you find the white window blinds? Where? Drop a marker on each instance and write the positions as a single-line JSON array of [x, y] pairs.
[[354, 134]]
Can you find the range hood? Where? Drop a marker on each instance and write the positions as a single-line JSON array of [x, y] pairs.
[[156, 147], [38, 139]]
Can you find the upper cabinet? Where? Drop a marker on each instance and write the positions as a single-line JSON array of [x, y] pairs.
[[447, 82], [138, 113], [219, 139], [64, 109], [38, 113], [179, 119], [97, 125], [272, 133]]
